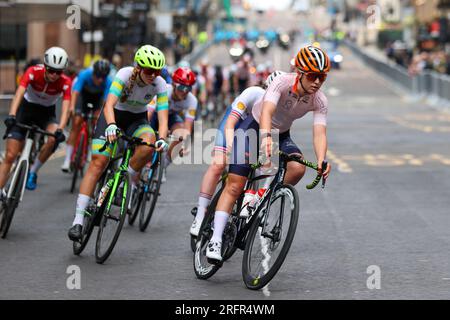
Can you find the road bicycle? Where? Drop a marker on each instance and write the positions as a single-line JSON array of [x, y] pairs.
[[111, 202], [16, 187], [80, 153], [265, 236]]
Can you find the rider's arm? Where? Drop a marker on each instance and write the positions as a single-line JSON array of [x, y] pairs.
[[162, 107], [108, 111], [67, 89], [320, 130], [265, 125], [20, 92], [73, 101], [229, 130], [64, 114]]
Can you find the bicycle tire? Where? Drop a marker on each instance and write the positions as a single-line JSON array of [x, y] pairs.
[[144, 219], [256, 283], [136, 207], [13, 202], [77, 163], [99, 256], [203, 238]]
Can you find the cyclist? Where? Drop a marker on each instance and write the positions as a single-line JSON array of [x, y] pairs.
[[34, 103], [235, 114], [182, 107], [289, 97], [126, 109], [91, 86], [242, 75]]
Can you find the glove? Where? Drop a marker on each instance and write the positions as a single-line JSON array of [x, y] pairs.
[[10, 121], [162, 143], [59, 136], [111, 132]]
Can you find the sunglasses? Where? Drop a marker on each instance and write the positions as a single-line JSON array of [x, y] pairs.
[[150, 71], [53, 71], [312, 76], [183, 88]]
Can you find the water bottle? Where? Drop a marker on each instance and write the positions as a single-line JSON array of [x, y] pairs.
[[249, 201], [103, 193]]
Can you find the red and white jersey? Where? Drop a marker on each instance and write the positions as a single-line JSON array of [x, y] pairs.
[[41, 92]]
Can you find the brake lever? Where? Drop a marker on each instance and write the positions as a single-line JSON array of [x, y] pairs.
[[324, 168]]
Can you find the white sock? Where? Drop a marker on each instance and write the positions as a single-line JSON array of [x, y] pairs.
[[69, 150], [133, 175], [220, 221], [203, 203], [36, 166], [82, 203]]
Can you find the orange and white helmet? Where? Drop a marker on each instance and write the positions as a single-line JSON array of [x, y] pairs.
[[312, 59]]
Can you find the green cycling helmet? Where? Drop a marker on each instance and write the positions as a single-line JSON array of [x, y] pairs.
[[149, 56]]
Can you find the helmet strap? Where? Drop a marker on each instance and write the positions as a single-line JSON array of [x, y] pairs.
[[301, 84]]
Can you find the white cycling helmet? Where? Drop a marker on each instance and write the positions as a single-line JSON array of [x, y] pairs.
[[271, 76], [56, 58], [184, 64]]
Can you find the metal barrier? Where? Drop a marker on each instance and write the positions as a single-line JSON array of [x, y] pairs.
[[433, 86]]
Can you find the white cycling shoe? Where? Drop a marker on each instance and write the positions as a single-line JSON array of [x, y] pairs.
[[65, 167], [195, 228], [214, 251]]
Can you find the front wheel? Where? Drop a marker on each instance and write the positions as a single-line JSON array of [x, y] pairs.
[[113, 218], [151, 195], [8, 208], [270, 238]]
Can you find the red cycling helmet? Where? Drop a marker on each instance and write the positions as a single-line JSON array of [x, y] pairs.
[[184, 76]]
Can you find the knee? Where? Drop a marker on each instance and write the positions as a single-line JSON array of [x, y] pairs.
[[217, 168], [297, 170], [233, 189], [10, 156], [98, 165]]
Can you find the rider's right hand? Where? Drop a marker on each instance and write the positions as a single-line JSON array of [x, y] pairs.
[[111, 132], [10, 121]]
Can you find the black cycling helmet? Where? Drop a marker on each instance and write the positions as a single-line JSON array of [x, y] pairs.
[[102, 68]]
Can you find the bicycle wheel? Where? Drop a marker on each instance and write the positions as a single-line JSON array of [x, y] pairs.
[[136, 202], [88, 227], [202, 267], [77, 167], [7, 209], [112, 219], [151, 196], [270, 238]]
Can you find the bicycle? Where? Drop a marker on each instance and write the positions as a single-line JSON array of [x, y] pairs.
[[33, 139], [80, 154], [114, 193], [148, 188], [258, 229], [147, 192]]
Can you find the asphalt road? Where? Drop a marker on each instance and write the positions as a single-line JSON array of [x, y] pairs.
[[385, 208]]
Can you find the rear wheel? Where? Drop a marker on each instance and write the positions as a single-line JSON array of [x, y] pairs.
[[7, 209], [77, 165], [112, 219]]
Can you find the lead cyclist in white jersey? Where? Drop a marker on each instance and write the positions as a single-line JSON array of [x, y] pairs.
[[289, 97], [126, 109]]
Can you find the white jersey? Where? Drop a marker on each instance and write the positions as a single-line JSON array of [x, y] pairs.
[[140, 97], [243, 104], [187, 106]]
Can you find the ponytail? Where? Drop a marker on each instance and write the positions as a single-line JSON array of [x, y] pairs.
[[129, 88]]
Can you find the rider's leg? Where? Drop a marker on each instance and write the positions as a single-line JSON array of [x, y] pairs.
[[142, 154], [46, 151], [295, 171], [209, 182], [95, 170], [13, 147], [74, 133]]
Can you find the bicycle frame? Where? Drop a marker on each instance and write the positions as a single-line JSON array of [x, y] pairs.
[[25, 155], [150, 172], [86, 129], [115, 179]]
